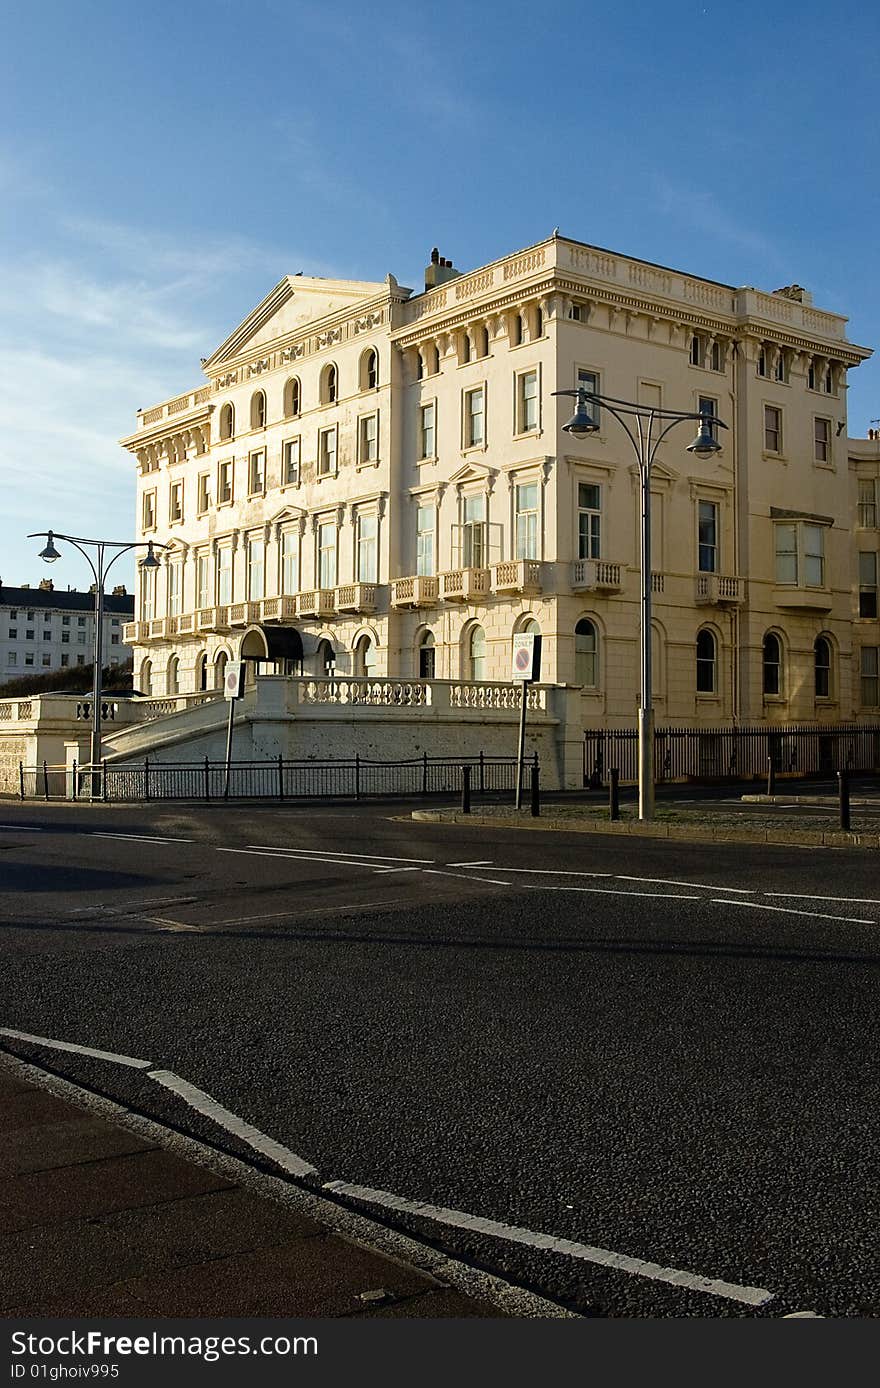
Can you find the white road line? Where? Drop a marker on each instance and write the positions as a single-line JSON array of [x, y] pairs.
[[315, 911], [790, 911], [484, 862], [465, 877], [382, 870], [619, 1262], [167, 924], [610, 891], [134, 838], [21, 828], [204, 1104], [78, 1050], [331, 853], [806, 896], [672, 882], [545, 872]]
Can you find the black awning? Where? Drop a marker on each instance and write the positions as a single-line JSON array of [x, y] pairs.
[[282, 643]]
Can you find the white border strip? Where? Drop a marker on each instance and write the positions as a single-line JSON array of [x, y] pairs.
[[790, 911], [77, 1050], [619, 1262]]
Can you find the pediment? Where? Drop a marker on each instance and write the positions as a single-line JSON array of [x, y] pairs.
[[473, 472], [287, 513], [296, 301], [661, 475]]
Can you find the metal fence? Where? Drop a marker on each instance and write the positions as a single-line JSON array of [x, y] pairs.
[[352, 778], [712, 754]]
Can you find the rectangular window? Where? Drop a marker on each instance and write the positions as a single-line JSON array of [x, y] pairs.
[[65, 661], [829, 382], [772, 429], [474, 533], [224, 576], [590, 381], [327, 452], [175, 512], [29, 659], [811, 377], [65, 638], [870, 674], [149, 517], [80, 621], [368, 440], [291, 463], [46, 659], [707, 525], [527, 520], [29, 634], [781, 371], [589, 520], [289, 561], [474, 418], [257, 473], [786, 554], [762, 363], [12, 658], [204, 493], [527, 402], [148, 595], [696, 350], [426, 522], [255, 565], [868, 503], [203, 581], [13, 633], [427, 431], [814, 556], [81, 638], [65, 621], [367, 537], [327, 554], [868, 583], [822, 440], [114, 640], [224, 483], [716, 357], [174, 572], [707, 406]]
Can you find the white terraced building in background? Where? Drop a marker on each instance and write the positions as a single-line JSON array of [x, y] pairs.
[[373, 482]]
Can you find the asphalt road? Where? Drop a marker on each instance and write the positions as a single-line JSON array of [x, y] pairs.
[[663, 1055]]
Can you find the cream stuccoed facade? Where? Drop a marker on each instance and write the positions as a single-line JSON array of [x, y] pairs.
[[372, 481]]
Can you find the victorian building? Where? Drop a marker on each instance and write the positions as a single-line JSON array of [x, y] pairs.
[[376, 483]]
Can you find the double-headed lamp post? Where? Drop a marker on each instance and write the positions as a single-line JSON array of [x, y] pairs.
[[99, 569], [646, 430]]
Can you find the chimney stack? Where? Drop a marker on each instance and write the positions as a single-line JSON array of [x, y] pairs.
[[440, 271]]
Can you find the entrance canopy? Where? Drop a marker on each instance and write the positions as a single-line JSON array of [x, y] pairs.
[[272, 643]]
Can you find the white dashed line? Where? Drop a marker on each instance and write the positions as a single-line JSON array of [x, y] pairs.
[[545, 872], [806, 896], [77, 1050], [790, 911], [134, 838], [610, 891], [438, 872], [384, 870], [485, 862], [511, 1233], [21, 828], [331, 853], [672, 882]]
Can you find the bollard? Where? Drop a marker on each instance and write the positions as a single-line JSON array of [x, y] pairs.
[[536, 792], [843, 798], [613, 793], [21, 779], [46, 780], [771, 777], [465, 790]]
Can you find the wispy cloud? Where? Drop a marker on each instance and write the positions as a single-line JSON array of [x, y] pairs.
[[704, 213]]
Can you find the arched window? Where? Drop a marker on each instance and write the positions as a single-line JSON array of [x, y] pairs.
[[326, 658], [227, 422], [822, 667], [258, 410], [173, 676], [220, 662], [427, 656], [292, 397], [586, 654], [202, 673], [476, 648], [772, 664], [365, 658], [329, 385], [146, 680], [369, 369], [707, 662]]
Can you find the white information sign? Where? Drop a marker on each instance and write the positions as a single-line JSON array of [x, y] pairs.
[[233, 684], [526, 664]]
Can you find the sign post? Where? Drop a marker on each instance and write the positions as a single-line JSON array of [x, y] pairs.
[[233, 688], [526, 667]]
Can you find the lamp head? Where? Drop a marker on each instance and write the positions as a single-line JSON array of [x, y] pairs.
[[50, 553], [581, 423], [149, 560], [704, 445]]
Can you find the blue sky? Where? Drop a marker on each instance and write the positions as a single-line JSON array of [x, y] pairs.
[[163, 165]]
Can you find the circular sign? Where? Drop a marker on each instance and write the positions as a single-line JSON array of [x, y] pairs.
[[522, 658]]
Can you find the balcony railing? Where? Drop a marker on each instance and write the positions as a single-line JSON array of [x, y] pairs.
[[420, 590], [356, 597], [243, 614], [596, 574], [318, 602], [517, 576], [717, 589], [279, 609], [463, 585]]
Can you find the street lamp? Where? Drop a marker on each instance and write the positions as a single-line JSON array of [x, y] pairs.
[[100, 570], [644, 419]]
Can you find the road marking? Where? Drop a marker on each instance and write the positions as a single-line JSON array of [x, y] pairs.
[[131, 910], [484, 862], [610, 891], [546, 872], [383, 870], [21, 828], [134, 838], [806, 896], [790, 911], [671, 882], [315, 911], [331, 853], [204, 1104], [167, 924], [619, 1262], [78, 1050], [465, 877]]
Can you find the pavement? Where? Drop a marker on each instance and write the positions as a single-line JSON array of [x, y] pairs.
[[99, 1220]]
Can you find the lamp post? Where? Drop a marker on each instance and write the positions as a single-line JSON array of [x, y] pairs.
[[99, 569], [646, 430]]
